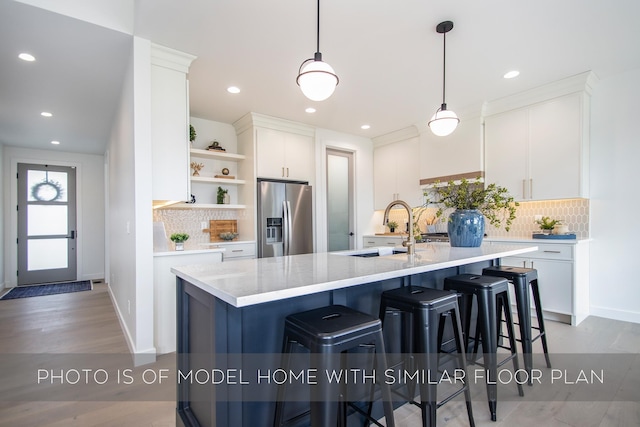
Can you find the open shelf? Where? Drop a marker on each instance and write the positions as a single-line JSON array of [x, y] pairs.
[[219, 155], [202, 206], [210, 180]]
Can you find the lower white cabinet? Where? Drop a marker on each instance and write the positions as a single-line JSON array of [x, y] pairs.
[[239, 250], [376, 241], [563, 278]]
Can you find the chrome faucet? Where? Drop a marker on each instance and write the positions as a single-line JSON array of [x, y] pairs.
[[409, 244]]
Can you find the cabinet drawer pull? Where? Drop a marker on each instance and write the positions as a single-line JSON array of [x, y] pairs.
[[371, 242], [237, 250], [552, 252]]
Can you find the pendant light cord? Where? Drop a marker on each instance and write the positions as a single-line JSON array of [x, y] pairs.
[[318, 29], [444, 67]]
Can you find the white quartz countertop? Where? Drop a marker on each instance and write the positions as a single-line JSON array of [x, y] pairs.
[[188, 252], [247, 282]]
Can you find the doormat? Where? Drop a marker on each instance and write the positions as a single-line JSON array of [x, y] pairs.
[[42, 290]]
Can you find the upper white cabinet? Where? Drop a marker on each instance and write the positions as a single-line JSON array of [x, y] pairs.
[[284, 155], [169, 124], [396, 169], [539, 151]]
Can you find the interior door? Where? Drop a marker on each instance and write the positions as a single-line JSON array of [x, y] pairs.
[[340, 217], [46, 224]]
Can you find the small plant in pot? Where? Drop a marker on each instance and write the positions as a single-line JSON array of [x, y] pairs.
[[472, 202], [221, 195], [179, 239], [547, 224], [392, 226]]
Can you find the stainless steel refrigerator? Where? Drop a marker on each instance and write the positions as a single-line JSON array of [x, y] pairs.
[[285, 218]]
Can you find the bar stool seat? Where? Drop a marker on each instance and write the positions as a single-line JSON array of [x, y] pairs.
[[523, 279], [327, 332], [492, 296], [429, 309]]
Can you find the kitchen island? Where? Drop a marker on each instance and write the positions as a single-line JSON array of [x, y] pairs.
[[231, 310]]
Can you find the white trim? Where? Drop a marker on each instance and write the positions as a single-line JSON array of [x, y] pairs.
[[139, 357], [163, 56], [261, 120], [615, 314], [583, 82], [396, 136]]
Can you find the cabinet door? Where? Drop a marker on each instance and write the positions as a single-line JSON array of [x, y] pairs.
[[384, 176], [299, 157], [555, 282], [270, 147], [555, 148], [169, 126], [407, 159], [506, 137]]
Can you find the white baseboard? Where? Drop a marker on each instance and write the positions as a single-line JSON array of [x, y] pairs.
[[609, 313], [139, 357]]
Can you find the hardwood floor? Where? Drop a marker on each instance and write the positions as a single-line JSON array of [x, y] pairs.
[[86, 323]]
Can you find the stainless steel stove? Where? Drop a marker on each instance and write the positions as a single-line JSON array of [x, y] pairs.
[[435, 237]]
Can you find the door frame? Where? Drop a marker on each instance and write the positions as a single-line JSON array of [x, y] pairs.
[[11, 215], [47, 275]]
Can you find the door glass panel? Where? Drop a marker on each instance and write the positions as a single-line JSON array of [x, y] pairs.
[[47, 254], [337, 203], [47, 220], [46, 186]]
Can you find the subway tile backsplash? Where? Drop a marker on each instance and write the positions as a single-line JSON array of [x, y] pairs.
[[189, 221]]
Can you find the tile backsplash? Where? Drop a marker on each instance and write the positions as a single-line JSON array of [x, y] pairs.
[[189, 221], [572, 212]]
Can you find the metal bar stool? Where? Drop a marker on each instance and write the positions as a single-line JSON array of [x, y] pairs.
[[492, 295], [327, 332], [429, 309], [523, 279]]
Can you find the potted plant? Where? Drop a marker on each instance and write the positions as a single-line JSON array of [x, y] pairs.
[[547, 224], [222, 196], [392, 226], [179, 239], [472, 202], [192, 133]]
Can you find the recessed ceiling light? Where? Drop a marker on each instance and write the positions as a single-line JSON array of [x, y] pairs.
[[55, 142], [365, 127], [233, 89], [511, 74], [46, 114], [27, 57], [310, 110]]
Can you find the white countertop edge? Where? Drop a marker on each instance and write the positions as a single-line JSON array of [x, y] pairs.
[[189, 252], [537, 241], [400, 271]]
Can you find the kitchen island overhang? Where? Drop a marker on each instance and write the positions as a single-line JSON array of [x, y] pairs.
[[243, 283], [238, 308]]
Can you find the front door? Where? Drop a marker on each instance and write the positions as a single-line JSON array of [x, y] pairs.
[[46, 224]]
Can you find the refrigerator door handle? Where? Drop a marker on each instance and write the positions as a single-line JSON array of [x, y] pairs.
[[285, 228], [289, 229]]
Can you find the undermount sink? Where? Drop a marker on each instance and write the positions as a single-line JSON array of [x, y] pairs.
[[373, 252]]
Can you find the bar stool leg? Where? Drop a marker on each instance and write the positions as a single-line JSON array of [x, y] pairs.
[[488, 326], [457, 333], [324, 407], [543, 331], [506, 306], [381, 367], [523, 304], [427, 348]]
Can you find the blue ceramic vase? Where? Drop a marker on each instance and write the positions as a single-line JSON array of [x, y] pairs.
[[466, 228]]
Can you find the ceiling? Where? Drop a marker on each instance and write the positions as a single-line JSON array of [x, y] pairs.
[[387, 55]]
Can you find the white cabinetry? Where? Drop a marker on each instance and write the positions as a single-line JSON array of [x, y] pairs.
[[284, 155], [169, 125], [396, 173], [376, 241], [562, 278], [206, 184], [238, 250], [539, 151]]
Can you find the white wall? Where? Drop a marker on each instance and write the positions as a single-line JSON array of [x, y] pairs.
[[129, 223], [3, 195], [363, 162], [615, 152], [90, 207]]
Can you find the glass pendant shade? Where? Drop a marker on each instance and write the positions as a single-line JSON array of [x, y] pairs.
[[443, 122], [317, 80]]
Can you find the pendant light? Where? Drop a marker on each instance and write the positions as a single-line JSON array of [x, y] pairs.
[[444, 121], [316, 78]]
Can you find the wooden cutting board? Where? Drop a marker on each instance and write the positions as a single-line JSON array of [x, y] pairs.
[[217, 226]]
